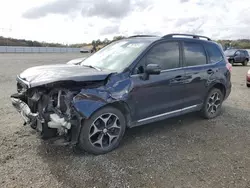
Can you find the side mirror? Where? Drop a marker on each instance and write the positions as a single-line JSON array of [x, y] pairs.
[[153, 69]]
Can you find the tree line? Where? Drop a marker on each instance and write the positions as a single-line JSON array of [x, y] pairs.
[[240, 43], [22, 42]]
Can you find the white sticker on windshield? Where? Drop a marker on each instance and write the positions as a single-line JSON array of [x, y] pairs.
[[136, 45]]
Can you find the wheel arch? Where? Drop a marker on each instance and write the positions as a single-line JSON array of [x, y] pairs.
[[219, 86], [120, 105], [125, 109], [87, 108]]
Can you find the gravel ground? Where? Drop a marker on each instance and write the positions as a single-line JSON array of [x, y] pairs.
[[182, 152]]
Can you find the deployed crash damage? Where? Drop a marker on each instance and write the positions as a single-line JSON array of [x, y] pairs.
[[49, 101], [85, 101]]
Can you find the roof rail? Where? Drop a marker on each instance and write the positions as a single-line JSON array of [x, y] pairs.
[[142, 36], [189, 35]]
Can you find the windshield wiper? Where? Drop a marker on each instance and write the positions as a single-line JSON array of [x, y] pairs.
[[90, 66]]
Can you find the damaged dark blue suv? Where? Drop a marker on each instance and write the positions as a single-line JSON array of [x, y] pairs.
[[131, 82]]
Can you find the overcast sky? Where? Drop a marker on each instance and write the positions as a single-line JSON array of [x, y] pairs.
[[77, 21]]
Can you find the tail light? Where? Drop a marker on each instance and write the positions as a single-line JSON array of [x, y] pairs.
[[228, 65], [248, 74]]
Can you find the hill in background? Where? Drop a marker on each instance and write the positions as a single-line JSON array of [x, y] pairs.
[[240, 43], [22, 42]]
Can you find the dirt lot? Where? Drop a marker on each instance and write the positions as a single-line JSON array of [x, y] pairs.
[[182, 152]]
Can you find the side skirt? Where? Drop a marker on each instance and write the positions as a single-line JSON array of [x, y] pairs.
[[166, 115]]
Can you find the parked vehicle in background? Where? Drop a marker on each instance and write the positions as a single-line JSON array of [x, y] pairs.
[[85, 50], [248, 78], [130, 82], [88, 50], [237, 56]]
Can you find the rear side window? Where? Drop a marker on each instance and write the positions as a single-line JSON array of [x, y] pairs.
[[213, 53], [165, 54], [242, 53], [194, 54]]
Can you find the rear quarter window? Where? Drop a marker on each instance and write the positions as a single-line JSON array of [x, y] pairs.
[[214, 53]]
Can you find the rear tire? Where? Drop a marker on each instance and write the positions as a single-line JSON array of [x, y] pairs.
[[212, 104], [103, 131], [245, 63], [248, 85], [231, 62]]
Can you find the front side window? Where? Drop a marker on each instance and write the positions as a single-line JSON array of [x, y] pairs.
[[117, 56], [213, 53], [237, 53], [165, 54], [194, 54], [230, 52]]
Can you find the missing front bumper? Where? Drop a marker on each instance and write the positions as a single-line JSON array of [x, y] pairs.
[[24, 110], [51, 125]]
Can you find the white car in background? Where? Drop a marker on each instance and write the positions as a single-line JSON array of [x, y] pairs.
[[85, 50]]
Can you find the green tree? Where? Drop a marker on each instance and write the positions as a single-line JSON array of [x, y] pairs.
[[93, 43], [98, 42], [118, 38], [106, 41]]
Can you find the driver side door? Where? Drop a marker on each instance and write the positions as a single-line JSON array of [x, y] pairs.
[[159, 95], [237, 57]]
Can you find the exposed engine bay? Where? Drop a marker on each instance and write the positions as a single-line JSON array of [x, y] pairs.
[[57, 99], [50, 109]]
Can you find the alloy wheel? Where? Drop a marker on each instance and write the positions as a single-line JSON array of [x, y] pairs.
[[104, 131], [213, 103]]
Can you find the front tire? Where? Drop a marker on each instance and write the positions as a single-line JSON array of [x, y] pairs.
[[103, 131], [212, 104], [248, 85], [245, 63]]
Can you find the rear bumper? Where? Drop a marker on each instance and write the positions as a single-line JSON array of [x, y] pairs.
[[228, 91]]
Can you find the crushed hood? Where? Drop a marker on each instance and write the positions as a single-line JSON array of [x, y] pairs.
[[46, 74]]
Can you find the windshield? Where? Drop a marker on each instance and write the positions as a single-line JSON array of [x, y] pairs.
[[116, 56], [230, 52]]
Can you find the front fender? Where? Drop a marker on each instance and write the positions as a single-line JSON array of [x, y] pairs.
[[90, 100]]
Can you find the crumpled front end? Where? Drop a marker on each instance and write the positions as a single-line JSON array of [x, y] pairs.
[[23, 109], [50, 111], [58, 110]]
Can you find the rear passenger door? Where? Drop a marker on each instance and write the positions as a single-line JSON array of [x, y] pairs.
[[199, 70], [242, 56]]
